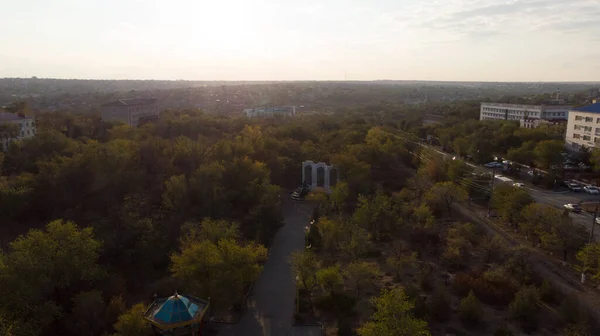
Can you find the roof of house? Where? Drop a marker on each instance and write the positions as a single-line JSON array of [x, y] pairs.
[[130, 102], [594, 108], [4, 116]]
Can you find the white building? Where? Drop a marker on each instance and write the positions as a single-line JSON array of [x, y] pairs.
[[583, 127], [498, 111], [24, 128], [319, 175], [286, 111], [130, 111]]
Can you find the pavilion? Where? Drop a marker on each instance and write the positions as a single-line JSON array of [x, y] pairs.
[[177, 315]]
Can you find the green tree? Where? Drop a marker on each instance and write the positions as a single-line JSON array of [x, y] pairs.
[[508, 202], [444, 194], [212, 230], [589, 256], [89, 314], [524, 306], [339, 197], [378, 215], [220, 271], [305, 265], [44, 270], [330, 278], [470, 310], [547, 153], [332, 233], [355, 242], [393, 316], [440, 304], [132, 323], [360, 274]]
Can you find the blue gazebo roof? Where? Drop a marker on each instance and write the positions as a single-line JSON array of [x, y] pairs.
[[176, 310]]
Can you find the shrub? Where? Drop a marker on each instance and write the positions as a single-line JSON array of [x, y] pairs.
[[470, 310], [338, 303], [569, 310], [330, 278]]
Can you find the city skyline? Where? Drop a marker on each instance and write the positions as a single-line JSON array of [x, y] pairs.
[[449, 40]]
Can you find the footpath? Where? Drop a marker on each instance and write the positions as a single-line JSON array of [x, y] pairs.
[[270, 308]]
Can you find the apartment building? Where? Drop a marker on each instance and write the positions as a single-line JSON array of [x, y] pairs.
[[583, 127], [130, 111], [286, 111], [517, 112], [19, 127]]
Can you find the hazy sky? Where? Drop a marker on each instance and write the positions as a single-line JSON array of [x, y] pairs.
[[529, 40]]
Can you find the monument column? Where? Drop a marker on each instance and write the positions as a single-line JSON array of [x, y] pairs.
[[327, 171], [314, 176]]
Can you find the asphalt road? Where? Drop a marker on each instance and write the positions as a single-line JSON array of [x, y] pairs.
[[271, 305], [557, 199]]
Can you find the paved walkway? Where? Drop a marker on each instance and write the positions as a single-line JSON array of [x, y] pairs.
[[271, 305]]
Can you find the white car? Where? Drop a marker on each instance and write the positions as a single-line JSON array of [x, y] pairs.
[[573, 207], [519, 185], [591, 190]]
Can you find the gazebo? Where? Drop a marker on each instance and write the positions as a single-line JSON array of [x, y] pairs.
[[177, 315]]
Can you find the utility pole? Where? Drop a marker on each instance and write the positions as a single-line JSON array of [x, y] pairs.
[[590, 240], [491, 192], [593, 224]]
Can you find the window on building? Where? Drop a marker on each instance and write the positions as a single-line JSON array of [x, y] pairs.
[[597, 131], [597, 139], [577, 127], [587, 138], [576, 136], [587, 128], [589, 119], [578, 118], [22, 133]]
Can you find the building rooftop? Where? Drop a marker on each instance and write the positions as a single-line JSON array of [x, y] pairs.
[[594, 108], [4, 116], [176, 310], [130, 102]]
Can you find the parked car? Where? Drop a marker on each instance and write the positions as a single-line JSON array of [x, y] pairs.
[[299, 193], [573, 207], [574, 187], [493, 165], [518, 185], [591, 190]]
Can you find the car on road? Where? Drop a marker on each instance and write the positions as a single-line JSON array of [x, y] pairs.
[[574, 187], [573, 207], [519, 185], [493, 165], [591, 190]]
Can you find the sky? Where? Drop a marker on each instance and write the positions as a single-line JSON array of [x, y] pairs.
[[454, 40]]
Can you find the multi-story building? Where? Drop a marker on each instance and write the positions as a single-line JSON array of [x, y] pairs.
[[130, 111], [19, 127], [583, 127], [498, 111], [286, 111]]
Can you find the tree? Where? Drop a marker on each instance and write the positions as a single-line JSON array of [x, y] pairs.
[[361, 274], [89, 314], [445, 194], [461, 146], [338, 197], [355, 241], [331, 232], [519, 266], [508, 202], [439, 304], [44, 270], [589, 257], [132, 322], [330, 278], [400, 261], [524, 306], [212, 230], [305, 266], [219, 270], [422, 217], [547, 153], [393, 317], [470, 310], [377, 215], [457, 169]]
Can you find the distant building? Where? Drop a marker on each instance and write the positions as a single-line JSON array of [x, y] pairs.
[[498, 111], [130, 111], [24, 127], [286, 111], [583, 127]]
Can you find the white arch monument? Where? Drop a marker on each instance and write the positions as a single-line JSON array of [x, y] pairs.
[[319, 174]]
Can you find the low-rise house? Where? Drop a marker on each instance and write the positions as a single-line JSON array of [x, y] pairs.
[[130, 111], [15, 127]]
